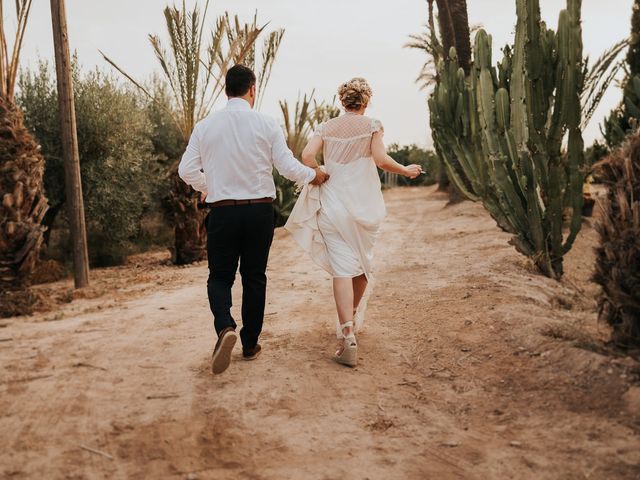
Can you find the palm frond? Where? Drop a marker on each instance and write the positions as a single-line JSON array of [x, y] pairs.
[[214, 51], [297, 127], [9, 63], [598, 77], [299, 123], [4, 54], [195, 71], [241, 41], [428, 41], [323, 111], [270, 49]]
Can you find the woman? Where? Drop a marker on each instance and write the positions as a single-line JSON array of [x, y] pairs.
[[337, 223]]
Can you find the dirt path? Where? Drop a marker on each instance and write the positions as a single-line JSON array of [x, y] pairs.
[[469, 369]]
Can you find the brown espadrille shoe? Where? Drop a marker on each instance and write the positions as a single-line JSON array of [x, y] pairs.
[[222, 352], [251, 353]]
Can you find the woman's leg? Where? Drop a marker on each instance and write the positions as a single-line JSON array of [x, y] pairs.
[[359, 287], [344, 296]]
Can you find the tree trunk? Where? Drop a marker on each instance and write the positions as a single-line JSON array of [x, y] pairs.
[[188, 221], [49, 220], [23, 202], [453, 21], [445, 22], [462, 33], [454, 194], [443, 179], [72, 180]]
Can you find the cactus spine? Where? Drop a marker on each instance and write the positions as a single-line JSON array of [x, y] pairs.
[[506, 126]]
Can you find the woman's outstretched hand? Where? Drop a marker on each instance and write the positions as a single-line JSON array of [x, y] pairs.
[[412, 171]]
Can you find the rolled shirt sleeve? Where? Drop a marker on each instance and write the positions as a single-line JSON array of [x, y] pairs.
[[286, 164], [190, 168]]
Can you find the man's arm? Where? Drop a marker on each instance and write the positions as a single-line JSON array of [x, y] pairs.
[[190, 168], [285, 162]]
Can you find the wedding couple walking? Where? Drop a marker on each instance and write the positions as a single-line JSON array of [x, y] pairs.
[[336, 219]]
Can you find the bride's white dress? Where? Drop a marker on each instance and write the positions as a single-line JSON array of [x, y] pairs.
[[338, 223]]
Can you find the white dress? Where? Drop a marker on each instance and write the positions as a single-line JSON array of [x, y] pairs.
[[338, 223]]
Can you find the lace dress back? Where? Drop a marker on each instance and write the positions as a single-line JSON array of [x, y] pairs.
[[347, 137]]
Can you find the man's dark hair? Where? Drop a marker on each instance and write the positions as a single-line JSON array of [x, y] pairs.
[[239, 80]]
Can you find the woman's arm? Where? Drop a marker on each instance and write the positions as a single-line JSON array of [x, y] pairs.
[[309, 159], [385, 162], [311, 150]]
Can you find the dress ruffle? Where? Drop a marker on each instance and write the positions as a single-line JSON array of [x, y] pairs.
[[303, 226]]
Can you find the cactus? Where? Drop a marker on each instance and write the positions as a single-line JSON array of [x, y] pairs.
[[505, 125]]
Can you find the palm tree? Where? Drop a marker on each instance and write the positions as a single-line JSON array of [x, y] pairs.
[[22, 168], [429, 43], [195, 74]]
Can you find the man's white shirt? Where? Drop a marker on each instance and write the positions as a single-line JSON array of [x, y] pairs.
[[236, 148]]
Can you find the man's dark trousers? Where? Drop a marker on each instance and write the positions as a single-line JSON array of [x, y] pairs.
[[239, 234]]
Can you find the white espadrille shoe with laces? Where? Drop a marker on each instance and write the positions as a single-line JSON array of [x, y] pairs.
[[349, 354]]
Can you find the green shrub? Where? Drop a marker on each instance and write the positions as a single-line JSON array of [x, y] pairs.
[[120, 171], [412, 154]]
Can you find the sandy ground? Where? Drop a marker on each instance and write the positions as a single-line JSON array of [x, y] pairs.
[[471, 366]]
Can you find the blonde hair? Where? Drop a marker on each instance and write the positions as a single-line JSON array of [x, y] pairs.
[[355, 93]]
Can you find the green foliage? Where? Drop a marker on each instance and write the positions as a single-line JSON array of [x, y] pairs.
[[506, 124], [624, 119], [120, 172], [412, 154], [166, 138], [594, 154]]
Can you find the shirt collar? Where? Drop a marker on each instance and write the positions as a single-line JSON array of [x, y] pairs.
[[237, 103]]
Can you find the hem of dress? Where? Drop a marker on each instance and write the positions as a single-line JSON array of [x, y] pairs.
[[348, 276]]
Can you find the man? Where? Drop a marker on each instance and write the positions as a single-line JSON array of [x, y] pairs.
[[229, 159]]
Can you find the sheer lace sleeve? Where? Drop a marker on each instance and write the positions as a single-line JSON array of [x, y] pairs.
[[319, 131], [376, 126]]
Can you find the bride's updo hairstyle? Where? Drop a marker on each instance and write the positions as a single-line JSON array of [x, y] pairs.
[[355, 94]]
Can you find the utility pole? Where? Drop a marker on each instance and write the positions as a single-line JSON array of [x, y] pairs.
[[72, 180]]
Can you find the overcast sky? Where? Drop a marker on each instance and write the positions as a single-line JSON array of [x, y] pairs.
[[326, 42]]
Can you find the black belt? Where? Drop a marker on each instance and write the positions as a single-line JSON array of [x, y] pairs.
[[226, 203]]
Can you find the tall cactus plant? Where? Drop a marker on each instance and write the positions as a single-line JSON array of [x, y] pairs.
[[506, 125]]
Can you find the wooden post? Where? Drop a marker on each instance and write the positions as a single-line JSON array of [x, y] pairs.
[[72, 180]]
